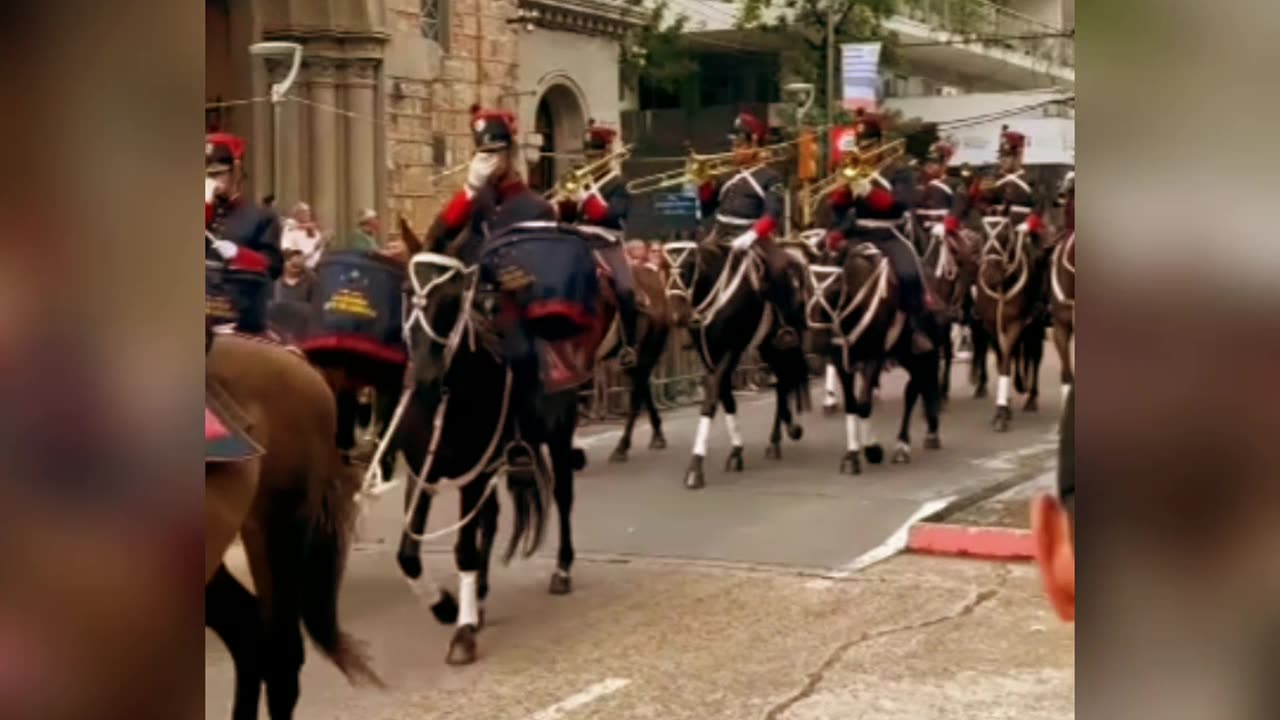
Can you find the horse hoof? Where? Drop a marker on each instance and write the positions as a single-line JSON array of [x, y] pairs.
[[773, 451], [733, 463], [875, 454], [901, 455], [445, 609], [410, 565], [462, 648], [561, 583], [851, 463], [1033, 405], [619, 455], [795, 432], [578, 458], [831, 409], [981, 392], [658, 443], [1001, 421], [932, 442], [693, 477]]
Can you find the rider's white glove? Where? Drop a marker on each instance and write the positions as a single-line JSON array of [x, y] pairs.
[[226, 248], [210, 187], [745, 240], [939, 230], [482, 167], [1024, 228], [861, 188]]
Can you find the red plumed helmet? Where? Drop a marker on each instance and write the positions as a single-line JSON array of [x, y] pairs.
[[749, 127], [1011, 143], [492, 129], [222, 150]]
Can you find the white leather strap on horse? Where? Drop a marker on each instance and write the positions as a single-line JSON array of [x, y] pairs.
[[1061, 263], [941, 186]]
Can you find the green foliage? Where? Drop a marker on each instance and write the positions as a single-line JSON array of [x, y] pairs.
[[800, 28], [655, 52]]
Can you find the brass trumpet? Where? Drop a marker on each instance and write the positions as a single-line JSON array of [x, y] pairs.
[[856, 168], [576, 179]]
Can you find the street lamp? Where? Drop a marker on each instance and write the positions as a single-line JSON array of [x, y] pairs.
[[279, 91]]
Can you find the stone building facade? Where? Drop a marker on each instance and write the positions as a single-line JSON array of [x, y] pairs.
[[380, 116]]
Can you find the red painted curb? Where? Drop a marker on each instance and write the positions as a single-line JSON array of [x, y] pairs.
[[983, 542]]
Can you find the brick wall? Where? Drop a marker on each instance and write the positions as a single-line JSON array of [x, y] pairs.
[[428, 108]]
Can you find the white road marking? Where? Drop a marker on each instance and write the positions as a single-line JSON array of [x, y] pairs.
[[578, 699], [892, 545]]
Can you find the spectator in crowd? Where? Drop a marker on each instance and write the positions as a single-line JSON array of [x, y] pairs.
[[656, 259], [366, 235], [1053, 524], [301, 233], [635, 252], [296, 282]]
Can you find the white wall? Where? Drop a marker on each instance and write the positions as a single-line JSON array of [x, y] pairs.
[[1046, 11], [1051, 140], [588, 63]]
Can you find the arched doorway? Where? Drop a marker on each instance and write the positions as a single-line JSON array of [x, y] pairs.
[[561, 120]]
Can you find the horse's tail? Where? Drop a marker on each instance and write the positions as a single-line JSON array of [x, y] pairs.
[[325, 563], [530, 515]]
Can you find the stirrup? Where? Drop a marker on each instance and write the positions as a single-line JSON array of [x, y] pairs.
[[627, 357]]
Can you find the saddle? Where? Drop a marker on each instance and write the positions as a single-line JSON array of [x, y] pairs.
[[226, 429]]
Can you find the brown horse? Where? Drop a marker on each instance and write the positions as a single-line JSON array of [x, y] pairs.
[[949, 268], [1004, 302], [293, 506], [653, 331], [1062, 305]]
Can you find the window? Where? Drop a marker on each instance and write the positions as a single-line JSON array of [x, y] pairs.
[[435, 22]]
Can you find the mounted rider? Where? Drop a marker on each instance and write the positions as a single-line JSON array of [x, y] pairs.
[[942, 205], [501, 212], [1013, 195], [878, 213], [748, 208], [240, 233], [600, 208]]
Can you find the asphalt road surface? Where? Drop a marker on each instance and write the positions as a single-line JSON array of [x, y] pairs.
[[774, 593]]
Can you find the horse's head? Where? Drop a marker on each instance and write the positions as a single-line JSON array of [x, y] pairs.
[[684, 258], [438, 323]]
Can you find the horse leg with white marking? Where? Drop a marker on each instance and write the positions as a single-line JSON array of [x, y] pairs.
[[694, 477], [902, 453], [851, 462], [1062, 341], [470, 564], [871, 447], [1004, 348], [732, 463], [831, 398]]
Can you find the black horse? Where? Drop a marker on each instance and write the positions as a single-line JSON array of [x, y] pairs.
[[462, 443], [719, 295], [855, 305]]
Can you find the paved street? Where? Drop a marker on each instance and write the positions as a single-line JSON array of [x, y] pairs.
[[758, 597]]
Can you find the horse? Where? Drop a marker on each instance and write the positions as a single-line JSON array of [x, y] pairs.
[[1062, 281], [1004, 301], [855, 304], [653, 331], [463, 445], [717, 294], [294, 507], [948, 274]]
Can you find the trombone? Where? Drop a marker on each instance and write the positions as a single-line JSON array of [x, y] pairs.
[[591, 173], [698, 169], [856, 168]]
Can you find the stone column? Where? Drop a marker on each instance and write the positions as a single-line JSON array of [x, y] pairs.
[[361, 149], [324, 143]]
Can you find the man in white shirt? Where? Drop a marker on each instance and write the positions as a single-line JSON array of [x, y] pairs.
[[302, 234]]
